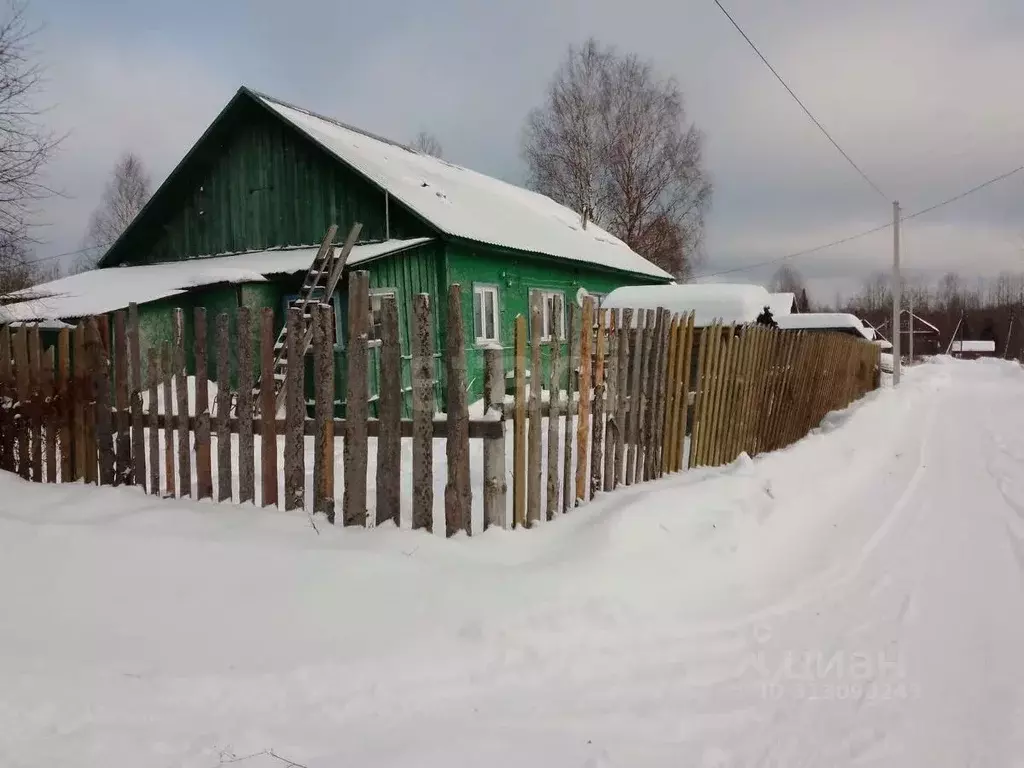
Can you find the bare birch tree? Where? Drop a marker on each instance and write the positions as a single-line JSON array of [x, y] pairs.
[[428, 144], [25, 147], [127, 190], [613, 142]]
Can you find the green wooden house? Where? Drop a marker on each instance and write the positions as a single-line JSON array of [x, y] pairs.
[[237, 221]]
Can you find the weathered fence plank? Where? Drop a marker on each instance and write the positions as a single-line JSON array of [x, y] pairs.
[[495, 486], [64, 391], [611, 401], [323, 440], [153, 371], [103, 417], [519, 426], [583, 422], [83, 394], [21, 376], [356, 400], [167, 372], [244, 406], [50, 418], [683, 397], [295, 415], [706, 359], [568, 429], [204, 471], [7, 389], [554, 478], [181, 397], [138, 436], [622, 407], [422, 414], [268, 412], [668, 420], [458, 497], [33, 414], [123, 451], [633, 417], [725, 391], [646, 386], [597, 421], [389, 443], [661, 395], [223, 407], [533, 458]]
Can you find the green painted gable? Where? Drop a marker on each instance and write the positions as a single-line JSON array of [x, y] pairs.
[[254, 182]]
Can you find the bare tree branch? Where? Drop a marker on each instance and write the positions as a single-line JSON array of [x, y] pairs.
[[428, 144], [612, 141]]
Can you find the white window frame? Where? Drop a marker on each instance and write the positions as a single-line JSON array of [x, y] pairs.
[[376, 293], [546, 305], [480, 291]]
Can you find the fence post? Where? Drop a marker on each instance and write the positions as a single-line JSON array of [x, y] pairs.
[[422, 415], [295, 415], [101, 391], [597, 421], [223, 406], [323, 449], [572, 372], [533, 493], [356, 400], [669, 410], [519, 427], [167, 372], [83, 394], [658, 422], [586, 385], [633, 426], [554, 479], [64, 395], [244, 406], [6, 390], [621, 418], [268, 412], [389, 440], [458, 497], [204, 470], [495, 488]]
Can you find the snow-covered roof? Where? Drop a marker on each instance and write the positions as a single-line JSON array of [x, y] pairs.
[[105, 290], [883, 343], [974, 345], [467, 204], [838, 321], [729, 302], [781, 303]]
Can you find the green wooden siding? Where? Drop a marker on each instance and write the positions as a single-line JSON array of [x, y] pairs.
[[257, 184], [515, 275]]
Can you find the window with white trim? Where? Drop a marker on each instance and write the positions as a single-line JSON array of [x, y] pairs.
[[549, 322], [485, 314]]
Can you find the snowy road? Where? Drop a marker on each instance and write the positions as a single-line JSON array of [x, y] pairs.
[[855, 600]]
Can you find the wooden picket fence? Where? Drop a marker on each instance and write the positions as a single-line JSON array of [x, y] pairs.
[[636, 395]]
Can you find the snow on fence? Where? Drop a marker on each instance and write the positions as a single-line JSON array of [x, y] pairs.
[[636, 395]]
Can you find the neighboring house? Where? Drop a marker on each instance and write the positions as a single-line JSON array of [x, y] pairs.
[[237, 221], [837, 322]]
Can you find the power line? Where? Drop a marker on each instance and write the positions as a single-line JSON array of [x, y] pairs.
[[802, 105], [867, 232]]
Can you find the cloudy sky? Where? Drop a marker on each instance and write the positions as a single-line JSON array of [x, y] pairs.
[[923, 94]]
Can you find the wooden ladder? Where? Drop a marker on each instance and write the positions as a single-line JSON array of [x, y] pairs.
[[318, 287]]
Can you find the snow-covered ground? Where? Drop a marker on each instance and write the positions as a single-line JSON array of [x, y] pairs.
[[854, 600]]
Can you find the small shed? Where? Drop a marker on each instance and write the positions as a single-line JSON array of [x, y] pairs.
[[837, 322], [971, 349]]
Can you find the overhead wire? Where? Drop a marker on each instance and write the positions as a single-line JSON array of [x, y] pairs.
[[803, 106]]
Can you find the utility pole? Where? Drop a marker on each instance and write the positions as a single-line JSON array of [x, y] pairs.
[[910, 327], [896, 286]]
